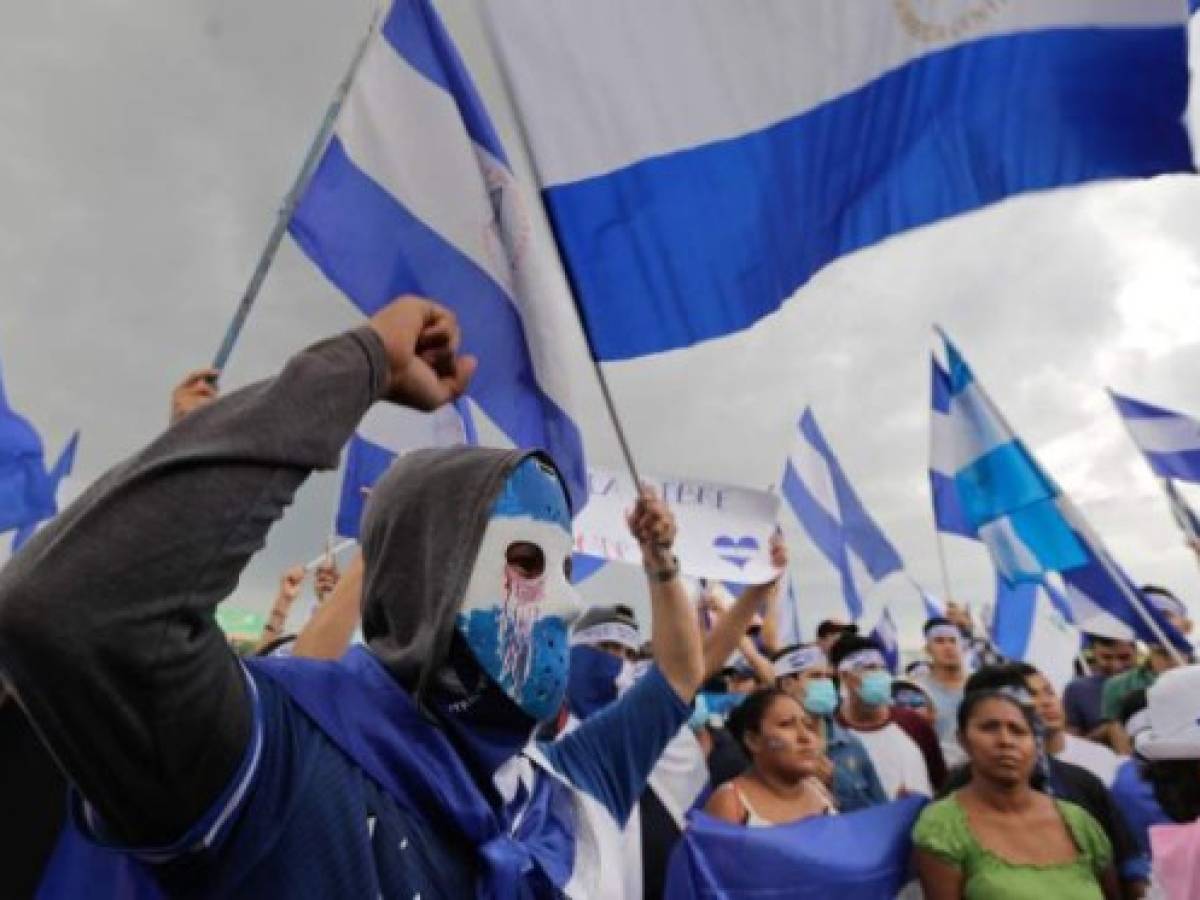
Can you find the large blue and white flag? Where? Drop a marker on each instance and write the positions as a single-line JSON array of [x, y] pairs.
[[1033, 622], [813, 859], [948, 514], [1170, 441], [825, 503], [1030, 527], [1006, 497], [702, 159], [415, 194]]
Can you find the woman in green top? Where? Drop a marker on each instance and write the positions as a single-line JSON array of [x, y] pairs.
[[998, 838]]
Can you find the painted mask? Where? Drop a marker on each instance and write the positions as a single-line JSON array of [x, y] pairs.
[[519, 604]]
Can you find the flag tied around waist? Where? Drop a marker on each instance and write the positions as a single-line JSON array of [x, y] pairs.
[[862, 855], [415, 194], [701, 160], [28, 491]]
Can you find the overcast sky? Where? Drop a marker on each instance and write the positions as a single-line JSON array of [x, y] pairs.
[[144, 149]]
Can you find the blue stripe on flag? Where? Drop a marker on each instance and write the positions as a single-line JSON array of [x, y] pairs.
[[365, 463], [825, 533], [374, 249], [703, 242], [1000, 482], [861, 534], [1183, 465], [1130, 408], [1013, 619], [948, 514], [940, 389]]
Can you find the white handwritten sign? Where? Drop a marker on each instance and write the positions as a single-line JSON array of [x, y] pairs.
[[724, 531]]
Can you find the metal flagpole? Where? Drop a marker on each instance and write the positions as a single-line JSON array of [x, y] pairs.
[[527, 146], [288, 207]]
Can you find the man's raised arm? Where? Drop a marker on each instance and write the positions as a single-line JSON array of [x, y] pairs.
[[107, 628]]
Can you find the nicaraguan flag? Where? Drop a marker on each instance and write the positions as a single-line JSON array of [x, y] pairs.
[[1010, 502], [385, 432], [948, 514], [702, 159], [1169, 440], [1033, 622], [813, 859], [887, 636], [414, 194], [825, 503]]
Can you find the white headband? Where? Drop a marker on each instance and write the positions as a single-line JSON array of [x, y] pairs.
[[943, 630], [1165, 604], [861, 659], [800, 660], [617, 632]]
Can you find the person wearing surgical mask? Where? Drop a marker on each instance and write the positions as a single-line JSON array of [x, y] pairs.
[[804, 673], [905, 764]]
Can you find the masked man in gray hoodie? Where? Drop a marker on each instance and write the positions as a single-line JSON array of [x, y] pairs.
[[406, 769]]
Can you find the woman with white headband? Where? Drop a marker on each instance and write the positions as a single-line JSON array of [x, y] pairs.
[[803, 671]]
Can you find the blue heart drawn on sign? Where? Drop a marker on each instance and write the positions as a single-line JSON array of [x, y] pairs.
[[738, 551]]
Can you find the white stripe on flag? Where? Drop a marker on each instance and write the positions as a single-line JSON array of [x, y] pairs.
[[942, 457], [1012, 557], [406, 133], [1165, 434], [771, 60], [815, 475], [977, 427]]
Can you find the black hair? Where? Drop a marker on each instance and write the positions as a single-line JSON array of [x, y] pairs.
[[972, 699], [747, 716], [1157, 589], [716, 684], [1100, 640], [850, 642], [832, 626], [1176, 785], [934, 622], [1002, 675]]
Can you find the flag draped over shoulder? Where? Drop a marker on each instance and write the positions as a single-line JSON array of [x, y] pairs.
[[1169, 441], [858, 856], [415, 194], [831, 513], [701, 159]]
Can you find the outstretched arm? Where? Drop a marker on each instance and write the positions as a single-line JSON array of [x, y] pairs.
[[107, 628], [730, 626], [328, 632]]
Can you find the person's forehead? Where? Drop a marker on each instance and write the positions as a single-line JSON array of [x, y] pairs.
[[533, 491]]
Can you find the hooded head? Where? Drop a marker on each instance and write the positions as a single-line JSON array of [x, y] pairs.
[[466, 596]]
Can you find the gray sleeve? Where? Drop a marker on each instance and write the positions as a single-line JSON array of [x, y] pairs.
[[107, 628]]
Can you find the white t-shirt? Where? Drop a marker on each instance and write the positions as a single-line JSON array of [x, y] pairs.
[[897, 759], [1096, 758]]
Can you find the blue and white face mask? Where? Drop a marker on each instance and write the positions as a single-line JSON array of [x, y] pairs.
[[519, 604]]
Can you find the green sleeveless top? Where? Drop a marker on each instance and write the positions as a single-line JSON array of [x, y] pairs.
[[943, 830]]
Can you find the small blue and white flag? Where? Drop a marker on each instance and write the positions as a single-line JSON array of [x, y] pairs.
[[1185, 517], [1034, 623], [1169, 441], [887, 636], [28, 491], [384, 433], [825, 503], [1006, 497], [701, 159], [948, 515], [415, 194]]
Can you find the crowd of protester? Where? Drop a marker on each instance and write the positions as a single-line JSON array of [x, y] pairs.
[[142, 758]]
